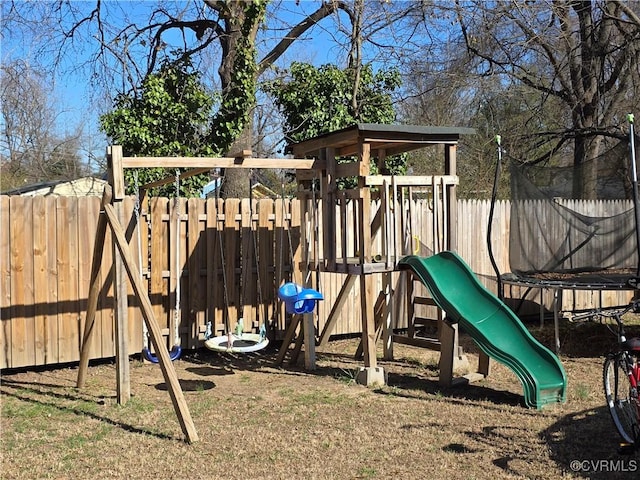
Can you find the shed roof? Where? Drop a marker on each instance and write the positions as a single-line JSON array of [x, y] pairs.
[[394, 139], [79, 187]]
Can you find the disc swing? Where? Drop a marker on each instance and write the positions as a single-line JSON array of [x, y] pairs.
[[176, 350], [238, 341]]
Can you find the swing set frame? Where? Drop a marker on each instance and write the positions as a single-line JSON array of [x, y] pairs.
[[112, 216]]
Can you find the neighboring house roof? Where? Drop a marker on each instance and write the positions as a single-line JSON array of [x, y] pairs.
[[258, 190], [81, 187]]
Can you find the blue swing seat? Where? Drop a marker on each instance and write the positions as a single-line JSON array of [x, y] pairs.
[[174, 354], [298, 299]]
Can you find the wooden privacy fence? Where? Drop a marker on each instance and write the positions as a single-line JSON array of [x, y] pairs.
[[228, 258]]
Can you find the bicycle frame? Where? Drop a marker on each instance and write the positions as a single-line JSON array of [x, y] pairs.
[[627, 357]]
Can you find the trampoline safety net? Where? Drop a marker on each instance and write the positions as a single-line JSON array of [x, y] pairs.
[[551, 231]]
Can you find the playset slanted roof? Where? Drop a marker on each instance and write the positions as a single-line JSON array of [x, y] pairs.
[[393, 139]]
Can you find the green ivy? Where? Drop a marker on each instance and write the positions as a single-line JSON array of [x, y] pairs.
[[171, 115], [239, 98], [168, 116], [330, 107]]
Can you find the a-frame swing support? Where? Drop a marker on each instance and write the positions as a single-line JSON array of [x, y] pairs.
[[124, 262], [112, 216]]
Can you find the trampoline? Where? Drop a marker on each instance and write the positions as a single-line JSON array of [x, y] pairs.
[[559, 242]]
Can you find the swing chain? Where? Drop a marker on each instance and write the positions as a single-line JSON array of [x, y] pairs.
[[176, 314]]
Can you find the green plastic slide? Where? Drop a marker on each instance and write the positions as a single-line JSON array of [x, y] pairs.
[[492, 325]]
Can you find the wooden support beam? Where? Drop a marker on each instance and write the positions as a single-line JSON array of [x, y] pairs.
[[351, 169], [387, 315], [94, 292], [241, 155], [428, 343], [309, 331], [378, 309], [116, 180], [411, 181], [172, 178], [115, 172], [123, 390], [341, 300], [168, 372], [452, 221], [298, 346], [448, 352], [288, 336], [328, 189], [484, 364], [368, 320]]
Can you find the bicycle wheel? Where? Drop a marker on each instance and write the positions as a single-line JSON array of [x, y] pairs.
[[622, 405]]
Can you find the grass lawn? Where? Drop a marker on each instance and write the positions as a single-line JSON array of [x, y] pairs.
[[258, 421]]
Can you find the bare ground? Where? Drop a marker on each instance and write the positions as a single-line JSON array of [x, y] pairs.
[[259, 421]]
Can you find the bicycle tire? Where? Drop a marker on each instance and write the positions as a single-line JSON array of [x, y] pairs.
[[620, 403]]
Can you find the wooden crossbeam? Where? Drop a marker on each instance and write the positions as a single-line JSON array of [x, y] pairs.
[[172, 178], [411, 181], [222, 162]]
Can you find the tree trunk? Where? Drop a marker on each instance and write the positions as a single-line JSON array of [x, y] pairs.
[[236, 180], [585, 162]]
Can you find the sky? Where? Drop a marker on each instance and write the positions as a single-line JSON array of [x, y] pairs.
[[74, 98]]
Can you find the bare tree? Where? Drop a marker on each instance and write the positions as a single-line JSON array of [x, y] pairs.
[[32, 148], [584, 53], [132, 47]]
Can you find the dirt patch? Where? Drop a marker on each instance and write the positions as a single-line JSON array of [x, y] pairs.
[[259, 421]]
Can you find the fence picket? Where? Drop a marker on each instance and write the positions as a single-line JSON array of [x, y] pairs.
[[46, 242], [5, 283]]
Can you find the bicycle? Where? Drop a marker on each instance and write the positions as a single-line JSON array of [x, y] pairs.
[[621, 377]]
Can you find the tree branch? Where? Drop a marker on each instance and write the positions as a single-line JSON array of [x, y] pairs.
[[324, 11]]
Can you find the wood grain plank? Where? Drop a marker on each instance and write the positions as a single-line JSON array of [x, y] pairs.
[[221, 300], [265, 285], [86, 240], [176, 252], [134, 317], [67, 249], [196, 248], [232, 257], [210, 236], [246, 263], [281, 255], [6, 318], [53, 332], [105, 318], [22, 329], [159, 260], [41, 281]]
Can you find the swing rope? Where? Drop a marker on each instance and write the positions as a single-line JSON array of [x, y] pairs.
[[297, 298], [176, 350], [240, 342]]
